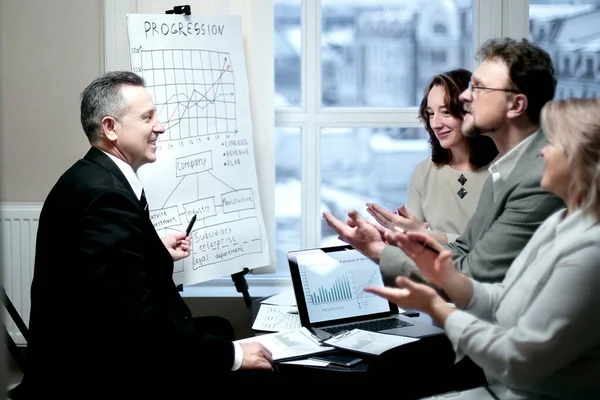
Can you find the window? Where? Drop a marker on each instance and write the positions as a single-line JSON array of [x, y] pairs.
[[343, 70], [573, 27], [349, 76]]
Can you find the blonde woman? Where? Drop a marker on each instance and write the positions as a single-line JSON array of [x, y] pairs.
[[536, 335]]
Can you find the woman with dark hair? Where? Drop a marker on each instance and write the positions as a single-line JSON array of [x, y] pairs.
[[444, 188]]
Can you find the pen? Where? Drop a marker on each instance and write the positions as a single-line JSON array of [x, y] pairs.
[[190, 225], [428, 247]]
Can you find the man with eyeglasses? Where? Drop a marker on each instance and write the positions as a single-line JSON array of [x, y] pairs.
[[508, 89]]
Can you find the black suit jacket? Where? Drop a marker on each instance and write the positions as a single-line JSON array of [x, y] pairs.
[[104, 308]]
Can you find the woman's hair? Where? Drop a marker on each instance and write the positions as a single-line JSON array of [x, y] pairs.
[[574, 126], [482, 149]]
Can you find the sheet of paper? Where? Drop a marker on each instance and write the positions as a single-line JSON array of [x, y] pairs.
[[272, 318], [368, 342], [309, 361], [289, 344], [285, 298]]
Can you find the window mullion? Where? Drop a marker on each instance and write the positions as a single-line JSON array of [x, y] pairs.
[[515, 19], [311, 198], [486, 24]]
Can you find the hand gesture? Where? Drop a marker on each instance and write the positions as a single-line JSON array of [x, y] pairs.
[[359, 233], [402, 218], [256, 356], [437, 268], [177, 244], [409, 294]]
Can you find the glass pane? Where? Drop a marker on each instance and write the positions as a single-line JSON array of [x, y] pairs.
[[382, 53], [288, 195], [570, 32], [288, 53], [360, 165]]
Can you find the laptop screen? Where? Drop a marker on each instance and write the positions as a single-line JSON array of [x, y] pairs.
[[329, 282]]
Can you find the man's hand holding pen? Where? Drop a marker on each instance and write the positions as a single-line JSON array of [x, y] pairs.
[[177, 244]]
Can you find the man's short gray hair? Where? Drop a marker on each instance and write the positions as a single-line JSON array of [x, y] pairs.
[[103, 98]]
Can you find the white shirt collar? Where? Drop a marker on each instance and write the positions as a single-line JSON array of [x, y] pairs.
[[502, 168], [129, 173]]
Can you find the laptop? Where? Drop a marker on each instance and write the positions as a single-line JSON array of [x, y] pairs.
[[328, 285]]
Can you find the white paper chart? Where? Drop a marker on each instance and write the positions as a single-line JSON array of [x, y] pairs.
[[194, 67]]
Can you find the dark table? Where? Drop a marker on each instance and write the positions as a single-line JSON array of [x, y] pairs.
[[429, 361], [327, 374]]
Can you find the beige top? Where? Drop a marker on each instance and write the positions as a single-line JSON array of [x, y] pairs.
[[434, 196]]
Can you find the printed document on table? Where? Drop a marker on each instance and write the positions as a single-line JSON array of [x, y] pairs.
[[276, 318], [290, 344], [367, 342], [285, 298], [309, 361]]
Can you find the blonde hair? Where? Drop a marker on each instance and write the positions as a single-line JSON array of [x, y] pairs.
[[574, 125]]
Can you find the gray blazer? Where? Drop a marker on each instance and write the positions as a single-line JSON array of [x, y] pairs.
[[498, 231], [544, 341]]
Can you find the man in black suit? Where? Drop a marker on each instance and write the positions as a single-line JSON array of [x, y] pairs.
[[106, 317]]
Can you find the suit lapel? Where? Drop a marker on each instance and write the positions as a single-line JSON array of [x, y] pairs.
[[98, 157], [486, 200], [529, 156]]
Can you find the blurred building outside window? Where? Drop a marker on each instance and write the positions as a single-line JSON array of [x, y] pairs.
[[351, 133]]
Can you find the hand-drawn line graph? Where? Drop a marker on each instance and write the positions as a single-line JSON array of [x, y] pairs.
[[194, 91]]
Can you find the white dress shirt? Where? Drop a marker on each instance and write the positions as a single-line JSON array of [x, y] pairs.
[[502, 168]]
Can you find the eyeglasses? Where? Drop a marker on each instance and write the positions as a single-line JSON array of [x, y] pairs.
[[473, 88]]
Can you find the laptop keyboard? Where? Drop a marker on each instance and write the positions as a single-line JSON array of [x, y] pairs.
[[372, 326]]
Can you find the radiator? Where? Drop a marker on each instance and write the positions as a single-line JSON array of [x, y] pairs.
[[18, 232]]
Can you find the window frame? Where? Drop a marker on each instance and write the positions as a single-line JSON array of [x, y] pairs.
[[491, 18]]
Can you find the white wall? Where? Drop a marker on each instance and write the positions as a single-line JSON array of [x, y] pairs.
[[50, 50]]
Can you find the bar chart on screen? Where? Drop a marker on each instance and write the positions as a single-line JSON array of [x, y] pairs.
[[347, 286], [334, 287]]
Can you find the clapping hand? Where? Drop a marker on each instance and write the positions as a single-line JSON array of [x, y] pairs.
[[408, 294], [358, 232], [436, 268], [402, 218]]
